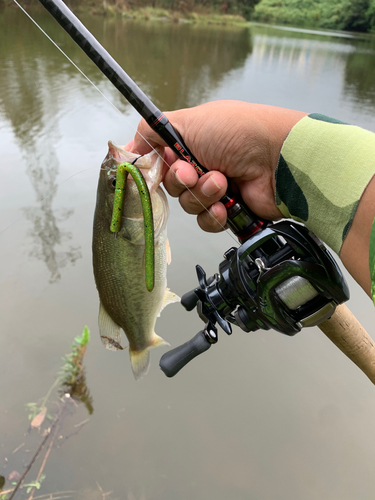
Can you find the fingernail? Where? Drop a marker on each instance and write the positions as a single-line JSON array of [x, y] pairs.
[[178, 178], [215, 214], [213, 211], [210, 187]]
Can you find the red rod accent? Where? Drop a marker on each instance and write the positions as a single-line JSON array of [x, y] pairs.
[[253, 231], [156, 121], [230, 203]]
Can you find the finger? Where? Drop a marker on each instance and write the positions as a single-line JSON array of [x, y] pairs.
[[146, 139], [214, 219], [209, 189], [129, 146], [179, 177]]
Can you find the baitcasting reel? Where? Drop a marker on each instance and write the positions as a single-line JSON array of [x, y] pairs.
[[282, 277]]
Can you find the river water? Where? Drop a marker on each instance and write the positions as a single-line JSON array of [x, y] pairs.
[[260, 416]]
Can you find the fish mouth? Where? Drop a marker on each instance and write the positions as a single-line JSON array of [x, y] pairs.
[[120, 155], [150, 164]]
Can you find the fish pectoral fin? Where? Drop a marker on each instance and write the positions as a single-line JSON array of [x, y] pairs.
[[158, 341], [169, 298], [140, 360], [110, 332], [168, 251]]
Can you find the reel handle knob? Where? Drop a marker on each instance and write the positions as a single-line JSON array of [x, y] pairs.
[[189, 300], [172, 361]]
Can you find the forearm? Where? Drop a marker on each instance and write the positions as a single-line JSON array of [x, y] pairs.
[[355, 249], [321, 180]]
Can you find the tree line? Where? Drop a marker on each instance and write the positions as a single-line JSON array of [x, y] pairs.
[[349, 15], [244, 8]]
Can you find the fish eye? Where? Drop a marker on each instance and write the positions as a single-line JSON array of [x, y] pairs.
[[112, 181]]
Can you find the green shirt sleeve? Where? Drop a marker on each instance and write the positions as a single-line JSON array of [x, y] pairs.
[[324, 167], [372, 261]]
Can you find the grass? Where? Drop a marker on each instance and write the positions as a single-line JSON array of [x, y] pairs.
[[158, 14], [196, 14], [200, 14]]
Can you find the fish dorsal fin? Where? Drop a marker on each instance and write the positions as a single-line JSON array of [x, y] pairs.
[[140, 360], [110, 332], [169, 298]]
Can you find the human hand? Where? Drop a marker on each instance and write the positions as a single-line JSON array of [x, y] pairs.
[[233, 139]]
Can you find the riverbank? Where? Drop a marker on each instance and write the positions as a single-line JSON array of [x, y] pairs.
[[165, 15], [199, 14]]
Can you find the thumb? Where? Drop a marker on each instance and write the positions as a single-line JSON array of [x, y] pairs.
[[145, 139]]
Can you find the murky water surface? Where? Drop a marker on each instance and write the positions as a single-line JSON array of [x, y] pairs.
[[259, 416]]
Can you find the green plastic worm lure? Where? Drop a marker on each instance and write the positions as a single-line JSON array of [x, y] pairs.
[[122, 172]]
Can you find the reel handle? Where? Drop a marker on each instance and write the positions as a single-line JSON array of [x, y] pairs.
[[347, 333], [172, 361]]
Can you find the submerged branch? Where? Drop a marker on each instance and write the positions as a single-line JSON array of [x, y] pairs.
[[31, 463]]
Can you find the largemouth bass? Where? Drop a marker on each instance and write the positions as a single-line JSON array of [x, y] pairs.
[[119, 264]]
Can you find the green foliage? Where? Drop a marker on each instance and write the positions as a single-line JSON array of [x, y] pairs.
[[34, 484], [84, 339], [25, 486], [73, 361], [243, 7], [33, 409], [174, 10], [371, 15], [232, 7], [293, 12], [72, 376], [352, 15], [355, 16]]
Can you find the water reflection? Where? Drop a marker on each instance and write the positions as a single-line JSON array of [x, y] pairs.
[[360, 79], [176, 66], [302, 55], [29, 102], [46, 234], [313, 56]]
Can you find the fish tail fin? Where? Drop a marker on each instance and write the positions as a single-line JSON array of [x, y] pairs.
[[140, 360]]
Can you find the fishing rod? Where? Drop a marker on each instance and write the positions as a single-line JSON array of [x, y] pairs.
[[240, 219], [281, 277]]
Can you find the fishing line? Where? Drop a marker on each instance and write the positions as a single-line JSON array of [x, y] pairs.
[[122, 115]]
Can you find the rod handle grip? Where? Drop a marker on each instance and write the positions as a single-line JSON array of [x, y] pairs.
[[347, 333]]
